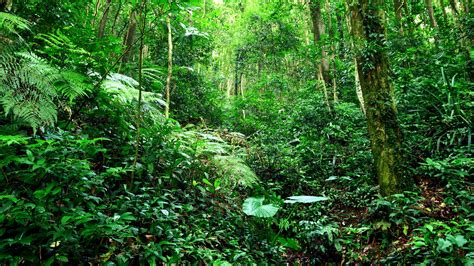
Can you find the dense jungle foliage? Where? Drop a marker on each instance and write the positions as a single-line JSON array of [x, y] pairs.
[[145, 132]]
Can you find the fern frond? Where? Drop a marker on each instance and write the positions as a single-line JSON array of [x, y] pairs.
[[124, 88], [234, 171], [73, 84], [11, 23], [220, 155]]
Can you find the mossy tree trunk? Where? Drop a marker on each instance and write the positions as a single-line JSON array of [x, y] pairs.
[[373, 70]]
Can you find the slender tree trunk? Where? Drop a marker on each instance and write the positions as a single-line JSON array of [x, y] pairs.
[[103, 20], [467, 5], [140, 87], [397, 6], [443, 10], [383, 127], [430, 10], [204, 6], [360, 96], [117, 13], [454, 6], [242, 85], [358, 89], [322, 68], [96, 12], [318, 31], [332, 57], [170, 64], [340, 29], [5, 5]]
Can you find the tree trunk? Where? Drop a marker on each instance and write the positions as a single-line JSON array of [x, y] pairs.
[[360, 96], [443, 10], [429, 9], [130, 37], [383, 127], [332, 57], [454, 6], [466, 4], [5, 5], [103, 21], [397, 6], [340, 29], [318, 31], [358, 89], [117, 13], [170, 65]]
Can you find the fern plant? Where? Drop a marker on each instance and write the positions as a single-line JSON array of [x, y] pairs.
[[11, 24], [124, 89], [30, 86]]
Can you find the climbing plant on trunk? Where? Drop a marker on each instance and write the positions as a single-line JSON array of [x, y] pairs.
[[373, 70]]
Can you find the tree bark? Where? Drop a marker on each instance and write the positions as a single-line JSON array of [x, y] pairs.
[[318, 31], [430, 10], [373, 69], [103, 20], [340, 29], [5, 5], [397, 6], [443, 10], [332, 57], [130, 37], [170, 64], [117, 13], [358, 89], [454, 6]]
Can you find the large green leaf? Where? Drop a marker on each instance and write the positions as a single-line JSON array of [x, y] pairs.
[[255, 207], [304, 199]]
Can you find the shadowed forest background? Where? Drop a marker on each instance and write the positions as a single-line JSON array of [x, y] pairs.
[[221, 132]]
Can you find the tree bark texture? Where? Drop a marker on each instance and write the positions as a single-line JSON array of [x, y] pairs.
[[130, 37], [318, 31], [103, 20], [373, 69], [430, 10]]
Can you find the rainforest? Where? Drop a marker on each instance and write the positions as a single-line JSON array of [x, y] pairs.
[[236, 132]]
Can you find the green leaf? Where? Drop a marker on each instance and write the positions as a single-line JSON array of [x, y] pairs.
[[305, 199], [10, 197], [444, 245], [255, 207], [459, 240]]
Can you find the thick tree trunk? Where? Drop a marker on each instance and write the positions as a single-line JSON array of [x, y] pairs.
[[383, 127], [130, 37], [430, 10]]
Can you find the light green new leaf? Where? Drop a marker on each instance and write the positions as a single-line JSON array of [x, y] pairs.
[[304, 199], [255, 207]]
